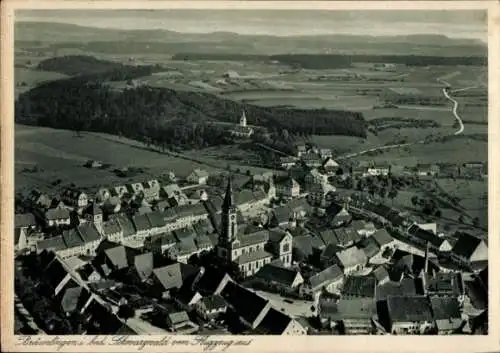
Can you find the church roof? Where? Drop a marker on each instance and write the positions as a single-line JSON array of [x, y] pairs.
[[228, 198]]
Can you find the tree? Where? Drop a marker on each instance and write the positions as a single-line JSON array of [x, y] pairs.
[[126, 312], [415, 200], [461, 219], [393, 193], [475, 222]]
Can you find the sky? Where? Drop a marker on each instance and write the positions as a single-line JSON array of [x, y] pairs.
[[454, 24]]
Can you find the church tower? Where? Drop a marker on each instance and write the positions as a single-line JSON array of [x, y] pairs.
[[229, 226], [243, 119]]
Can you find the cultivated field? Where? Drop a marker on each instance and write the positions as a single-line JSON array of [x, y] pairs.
[[59, 154]]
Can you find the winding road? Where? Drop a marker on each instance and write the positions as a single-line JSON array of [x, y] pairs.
[[446, 93]]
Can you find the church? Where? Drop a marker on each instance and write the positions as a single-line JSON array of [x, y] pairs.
[[242, 130], [248, 251]]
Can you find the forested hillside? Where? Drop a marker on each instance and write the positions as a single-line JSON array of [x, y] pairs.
[[172, 118]]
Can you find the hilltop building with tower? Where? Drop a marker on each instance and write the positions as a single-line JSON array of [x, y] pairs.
[[242, 129]]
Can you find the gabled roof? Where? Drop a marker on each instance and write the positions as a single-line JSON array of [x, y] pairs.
[[88, 232], [24, 220], [72, 238], [276, 273], [247, 304], [143, 265], [252, 256], [328, 275], [363, 287], [380, 273], [210, 280], [55, 243], [282, 214], [466, 245], [184, 233], [55, 272], [141, 222], [111, 227], [382, 237], [304, 244], [425, 235], [444, 308], [273, 323], [409, 309], [351, 257], [370, 247], [156, 219], [346, 236], [276, 235], [347, 309], [56, 213], [173, 276], [196, 209], [126, 225], [199, 173], [259, 237], [214, 302]]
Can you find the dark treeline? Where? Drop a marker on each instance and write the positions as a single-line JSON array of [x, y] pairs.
[[171, 118], [324, 61], [95, 69]]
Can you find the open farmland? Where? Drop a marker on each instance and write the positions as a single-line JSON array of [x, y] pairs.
[[59, 154]]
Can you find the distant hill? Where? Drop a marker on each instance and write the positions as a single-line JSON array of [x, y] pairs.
[[31, 35]]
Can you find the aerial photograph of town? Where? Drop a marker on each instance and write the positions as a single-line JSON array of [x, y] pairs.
[[251, 172]]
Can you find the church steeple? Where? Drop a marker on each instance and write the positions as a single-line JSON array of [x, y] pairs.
[[243, 119], [228, 198], [229, 225]]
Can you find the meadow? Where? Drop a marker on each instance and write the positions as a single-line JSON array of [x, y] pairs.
[[59, 154]]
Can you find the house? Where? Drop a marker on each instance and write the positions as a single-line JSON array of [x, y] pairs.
[[198, 176], [102, 195], [311, 160], [250, 307], [55, 217], [446, 314], [151, 190], [211, 307], [327, 256], [38, 199], [318, 194], [351, 260], [142, 226], [381, 169], [197, 196], [359, 287], [160, 243], [55, 244], [325, 153], [73, 298], [75, 198], [25, 221], [340, 218], [329, 166], [119, 191], [212, 282], [443, 284], [354, 315], [403, 315], [370, 247], [278, 323], [427, 170], [126, 225], [287, 187], [385, 241], [381, 275], [329, 279], [183, 250], [112, 231], [166, 278], [20, 239], [281, 216], [406, 287], [179, 321], [287, 162], [301, 150], [470, 249], [346, 237], [314, 177], [112, 257], [279, 277], [363, 228], [280, 244]]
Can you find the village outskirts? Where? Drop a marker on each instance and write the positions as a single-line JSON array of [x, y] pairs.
[[314, 246]]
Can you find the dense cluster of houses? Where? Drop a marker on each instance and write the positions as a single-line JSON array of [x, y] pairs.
[[364, 267]]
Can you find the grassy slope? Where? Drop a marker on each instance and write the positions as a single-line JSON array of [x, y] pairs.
[[60, 154]]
